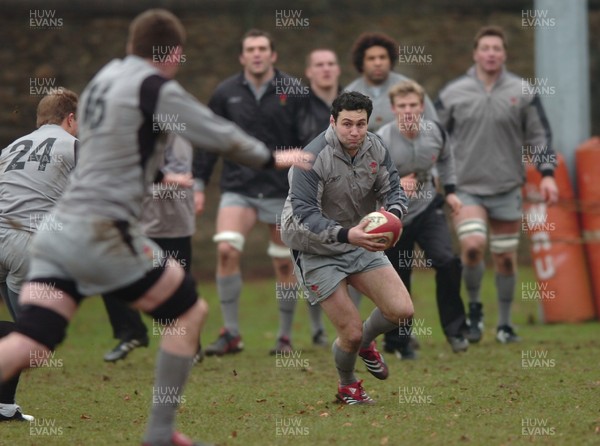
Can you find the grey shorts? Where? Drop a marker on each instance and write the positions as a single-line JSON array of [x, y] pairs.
[[268, 209], [507, 206], [14, 257], [321, 275], [98, 254]]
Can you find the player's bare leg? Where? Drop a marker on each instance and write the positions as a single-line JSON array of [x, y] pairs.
[[286, 283], [471, 228], [504, 241], [384, 287], [394, 309], [345, 318], [233, 225]]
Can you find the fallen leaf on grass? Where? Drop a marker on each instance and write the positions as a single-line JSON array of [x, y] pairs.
[[262, 400], [85, 417], [384, 441], [324, 414], [347, 424]]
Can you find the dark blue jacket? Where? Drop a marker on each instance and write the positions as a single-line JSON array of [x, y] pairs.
[[272, 120]]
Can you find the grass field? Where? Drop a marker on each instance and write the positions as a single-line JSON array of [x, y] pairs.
[[545, 390]]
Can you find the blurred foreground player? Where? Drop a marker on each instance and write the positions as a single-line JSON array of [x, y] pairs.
[[99, 246]]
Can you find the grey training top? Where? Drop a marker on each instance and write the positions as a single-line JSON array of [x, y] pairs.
[[337, 192], [34, 171], [382, 108], [168, 211], [420, 155], [124, 115], [492, 132]]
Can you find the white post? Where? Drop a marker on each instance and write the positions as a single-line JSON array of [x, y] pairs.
[[562, 62]]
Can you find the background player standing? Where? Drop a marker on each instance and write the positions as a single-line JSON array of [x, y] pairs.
[[493, 120], [374, 56], [254, 100], [416, 146], [323, 72]]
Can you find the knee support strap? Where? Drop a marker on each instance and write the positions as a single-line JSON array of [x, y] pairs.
[[137, 289], [235, 239], [184, 298], [502, 243], [48, 284], [471, 226], [6, 327], [278, 251], [42, 324]]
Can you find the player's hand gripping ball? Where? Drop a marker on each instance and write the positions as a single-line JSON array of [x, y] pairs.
[[386, 224]]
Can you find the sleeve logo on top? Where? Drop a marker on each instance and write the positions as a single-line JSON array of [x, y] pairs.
[[234, 100]]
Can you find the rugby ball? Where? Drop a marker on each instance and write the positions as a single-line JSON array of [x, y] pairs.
[[385, 224]]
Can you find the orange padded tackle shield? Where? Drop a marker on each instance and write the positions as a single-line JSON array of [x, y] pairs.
[[556, 249], [587, 159]]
